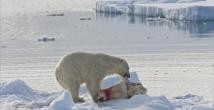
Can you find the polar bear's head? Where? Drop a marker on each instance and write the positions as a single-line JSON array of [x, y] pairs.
[[124, 68]]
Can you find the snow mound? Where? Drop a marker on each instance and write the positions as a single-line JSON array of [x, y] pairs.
[[15, 87], [110, 80], [179, 9], [63, 102], [17, 95]]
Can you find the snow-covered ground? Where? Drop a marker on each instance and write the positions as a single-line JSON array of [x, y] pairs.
[[170, 9], [174, 59], [17, 95]]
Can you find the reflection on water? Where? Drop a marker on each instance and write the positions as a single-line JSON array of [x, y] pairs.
[[192, 27]]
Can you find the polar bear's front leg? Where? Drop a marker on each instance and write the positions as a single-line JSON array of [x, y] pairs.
[[74, 89], [93, 88]]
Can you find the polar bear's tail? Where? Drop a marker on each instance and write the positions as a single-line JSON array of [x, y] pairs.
[[59, 77]]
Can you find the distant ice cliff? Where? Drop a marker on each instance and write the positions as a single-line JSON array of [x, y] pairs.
[[170, 9]]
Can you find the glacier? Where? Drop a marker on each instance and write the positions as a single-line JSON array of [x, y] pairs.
[[194, 10]]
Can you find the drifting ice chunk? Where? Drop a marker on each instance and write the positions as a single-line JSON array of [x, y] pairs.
[[45, 38]]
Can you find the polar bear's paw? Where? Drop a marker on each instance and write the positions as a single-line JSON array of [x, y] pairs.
[[79, 99]]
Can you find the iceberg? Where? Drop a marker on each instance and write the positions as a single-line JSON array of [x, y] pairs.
[[195, 10]]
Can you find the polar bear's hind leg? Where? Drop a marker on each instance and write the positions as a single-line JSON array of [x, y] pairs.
[[93, 88], [74, 90]]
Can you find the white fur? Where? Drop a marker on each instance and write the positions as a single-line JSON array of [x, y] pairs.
[[77, 68]]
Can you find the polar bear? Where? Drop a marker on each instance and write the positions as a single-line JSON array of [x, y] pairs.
[[90, 68]]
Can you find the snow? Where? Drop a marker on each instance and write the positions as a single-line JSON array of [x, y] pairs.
[[17, 87], [16, 94], [141, 102], [170, 9], [64, 101], [110, 81], [191, 102], [134, 77]]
